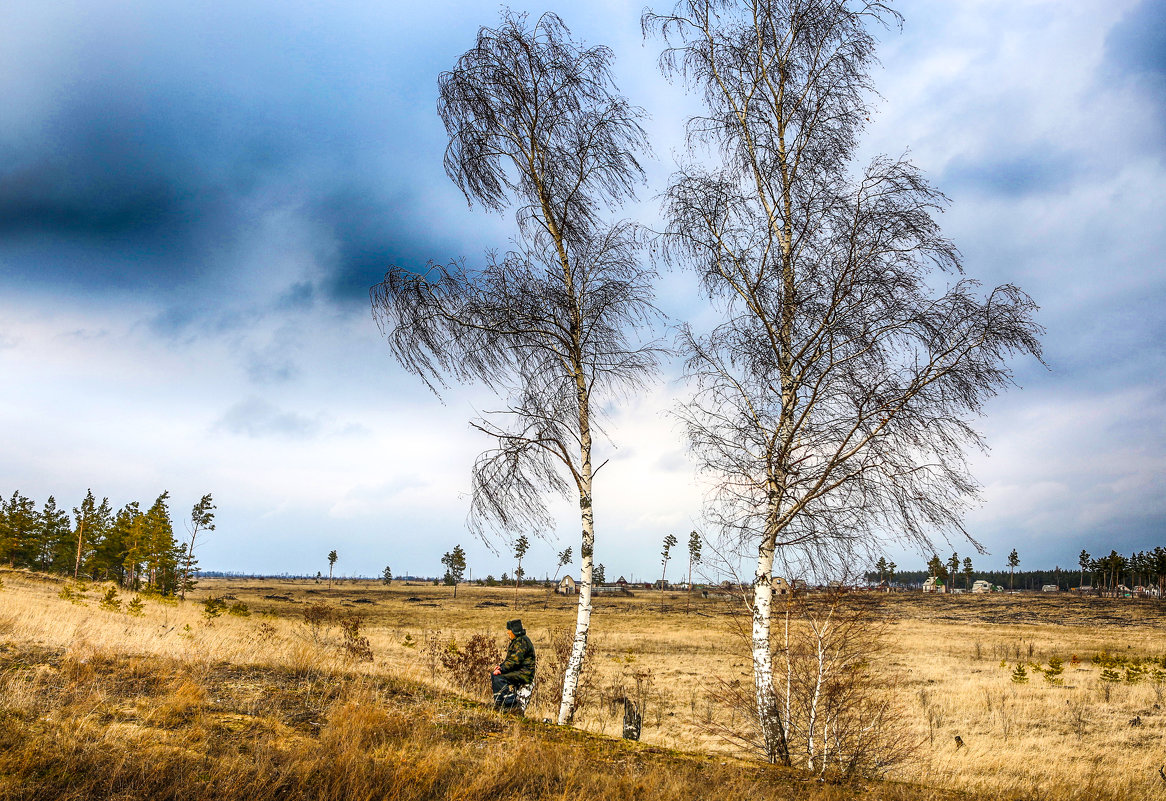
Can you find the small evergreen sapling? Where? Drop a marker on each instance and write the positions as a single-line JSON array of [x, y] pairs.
[[1054, 670], [110, 602]]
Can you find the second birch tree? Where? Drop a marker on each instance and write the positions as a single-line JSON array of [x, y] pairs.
[[832, 403]]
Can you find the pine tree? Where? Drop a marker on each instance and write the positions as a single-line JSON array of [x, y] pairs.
[[22, 524], [520, 548], [665, 555], [96, 531], [130, 529], [936, 568], [202, 518], [83, 533], [455, 567], [161, 548], [694, 549], [110, 552], [52, 543]]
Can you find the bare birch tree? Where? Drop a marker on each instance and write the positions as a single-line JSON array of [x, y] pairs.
[[832, 404], [535, 121]]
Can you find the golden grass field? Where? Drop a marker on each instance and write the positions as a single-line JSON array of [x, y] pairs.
[[170, 704]]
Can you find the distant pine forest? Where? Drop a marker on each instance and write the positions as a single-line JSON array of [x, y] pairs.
[[134, 547], [1143, 570], [138, 550]]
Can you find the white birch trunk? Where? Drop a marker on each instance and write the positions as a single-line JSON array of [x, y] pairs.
[[816, 697], [583, 616], [762, 654], [586, 557]]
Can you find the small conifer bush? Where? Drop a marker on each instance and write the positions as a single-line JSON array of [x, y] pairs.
[[110, 602], [213, 607], [1054, 670]]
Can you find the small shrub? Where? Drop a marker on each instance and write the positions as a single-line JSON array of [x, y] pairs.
[[74, 595], [1110, 675], [239, 609], [110, 602], [355, 646], [1020, 674], [409, 642], [1158, 677], [553, 666], [432, 651], [135, 607], [267, 632], [317, 617], [1054, 670], [213, 607], [470, 664]]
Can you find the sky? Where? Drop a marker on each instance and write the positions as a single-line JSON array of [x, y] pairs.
[[196, 198]]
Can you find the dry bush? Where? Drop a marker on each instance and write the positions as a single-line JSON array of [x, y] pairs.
[[552, 671], [355, 646], [317, 619], [838, 707], [469, 664]]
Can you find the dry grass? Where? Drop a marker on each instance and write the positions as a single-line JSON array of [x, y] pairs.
[[95, 703]]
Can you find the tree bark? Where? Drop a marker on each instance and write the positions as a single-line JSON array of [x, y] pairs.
[[583, 615], [80, 539], [768, 714]]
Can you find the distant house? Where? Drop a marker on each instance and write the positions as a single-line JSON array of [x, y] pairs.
[[567, 586], [983, 586], [1050, 588], [781, 586], [621, 582], [934, 584]]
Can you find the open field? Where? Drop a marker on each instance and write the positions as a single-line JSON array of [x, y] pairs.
[[248, 704]]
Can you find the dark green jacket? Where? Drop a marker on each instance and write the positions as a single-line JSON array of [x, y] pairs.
[[518, 666]]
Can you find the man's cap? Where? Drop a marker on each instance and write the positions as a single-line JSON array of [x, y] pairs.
[[515, 626]]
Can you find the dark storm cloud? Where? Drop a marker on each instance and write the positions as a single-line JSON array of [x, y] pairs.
[[156, 143], [373, 232]]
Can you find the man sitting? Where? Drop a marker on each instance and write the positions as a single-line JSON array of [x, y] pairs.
[[516, 670]]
